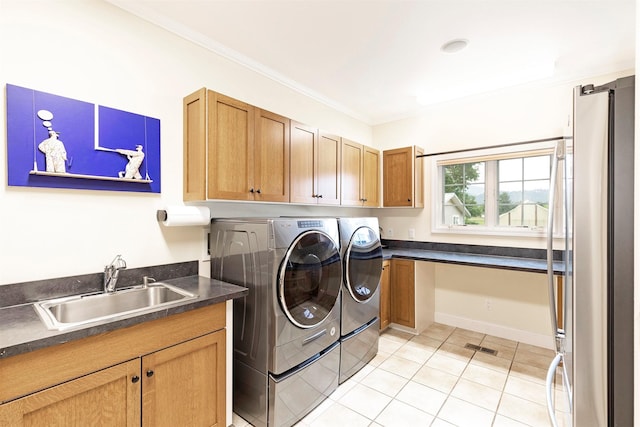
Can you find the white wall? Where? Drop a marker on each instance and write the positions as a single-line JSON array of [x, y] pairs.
[[92, 51], [518, 114]]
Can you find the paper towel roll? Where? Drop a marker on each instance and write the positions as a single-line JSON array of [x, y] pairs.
[[181, 216]]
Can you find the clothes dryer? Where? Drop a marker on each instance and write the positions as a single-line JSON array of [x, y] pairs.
[[361, 252], [286, 351]]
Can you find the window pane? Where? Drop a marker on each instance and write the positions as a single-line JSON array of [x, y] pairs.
[[537, 191], [454, 174], [537, 167], [474, 172], [534, 215], [510, 192], [475, 215], [510, 170]]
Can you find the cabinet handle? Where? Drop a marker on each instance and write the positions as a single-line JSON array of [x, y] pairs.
[[408, 200], [314, 196], [258, 191], [135, 379], [364, 200], [251, 190], [149, 373], [320, 196]]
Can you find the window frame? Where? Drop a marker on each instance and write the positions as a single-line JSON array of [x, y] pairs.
[[491, 157]]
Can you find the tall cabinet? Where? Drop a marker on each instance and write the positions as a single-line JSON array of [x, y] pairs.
[[403, 177], [251, 143]]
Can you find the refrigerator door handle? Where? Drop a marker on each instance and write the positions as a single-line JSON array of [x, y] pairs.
[[558, 154], [551, 373]]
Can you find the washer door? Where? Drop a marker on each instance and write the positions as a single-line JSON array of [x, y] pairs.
[[363, 264], [310, 279]]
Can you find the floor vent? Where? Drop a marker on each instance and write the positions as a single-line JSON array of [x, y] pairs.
[[481, 349]]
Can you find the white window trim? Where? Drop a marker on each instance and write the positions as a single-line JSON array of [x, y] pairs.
[[491, 188]]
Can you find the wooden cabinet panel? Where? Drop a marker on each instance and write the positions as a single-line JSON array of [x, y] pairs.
[[304, 144], [403, 292], [195, 142], [106, 398], [371, 177], [184, 384], [385, 295], [271, 167], [328, 167], [231, 148], [351, 173], [403, 178], [398, 177], [360, 175]]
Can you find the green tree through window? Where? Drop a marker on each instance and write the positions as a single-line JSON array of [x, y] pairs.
[[466, 181]]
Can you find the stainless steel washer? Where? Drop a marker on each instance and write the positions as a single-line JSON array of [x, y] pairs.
[[286, 330], [361, 252]]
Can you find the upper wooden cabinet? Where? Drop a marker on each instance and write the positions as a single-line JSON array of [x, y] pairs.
[[248, 150], [315, 166], [360, 175], [403, 179]]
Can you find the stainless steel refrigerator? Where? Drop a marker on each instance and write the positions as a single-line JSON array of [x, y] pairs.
[[593, 368]]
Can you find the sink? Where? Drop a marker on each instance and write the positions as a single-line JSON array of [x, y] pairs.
[[80, 310]]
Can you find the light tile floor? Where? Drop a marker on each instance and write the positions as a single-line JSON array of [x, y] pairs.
[[431, 379]]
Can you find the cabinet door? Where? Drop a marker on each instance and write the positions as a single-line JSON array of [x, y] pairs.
[[194, 166], [271, 169], [304, 142], [184, 385], [371, 177], [398, 167], [109, 397], [328, 169], [352, 154], [231, 148], [385, 295], [403, 309]]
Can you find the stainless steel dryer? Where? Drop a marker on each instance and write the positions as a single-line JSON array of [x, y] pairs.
[[286, 349], [361, 252]]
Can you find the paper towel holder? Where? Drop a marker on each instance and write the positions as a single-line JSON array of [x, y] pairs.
[[161, 215]]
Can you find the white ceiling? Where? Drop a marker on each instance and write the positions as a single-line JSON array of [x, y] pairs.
[[371, 58]]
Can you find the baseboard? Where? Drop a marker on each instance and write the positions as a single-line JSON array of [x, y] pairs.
[[403, 328], [540, 340]]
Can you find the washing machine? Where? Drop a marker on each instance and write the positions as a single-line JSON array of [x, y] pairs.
[[286, 330], [361, 253]]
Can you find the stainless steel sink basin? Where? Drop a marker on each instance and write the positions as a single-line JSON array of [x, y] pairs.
[[74, 311]]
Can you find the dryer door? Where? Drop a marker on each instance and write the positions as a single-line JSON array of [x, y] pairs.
[[310, 279], [363, 264]]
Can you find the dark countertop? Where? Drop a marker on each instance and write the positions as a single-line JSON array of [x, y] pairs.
[[531, 265], [22, 331]]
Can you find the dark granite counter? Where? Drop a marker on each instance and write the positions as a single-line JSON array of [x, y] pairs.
[[520, 259], [21, 329]]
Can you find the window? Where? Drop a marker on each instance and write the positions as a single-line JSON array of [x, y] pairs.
[[493, 192]]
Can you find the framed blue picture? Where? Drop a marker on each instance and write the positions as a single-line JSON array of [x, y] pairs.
[[58, 142]]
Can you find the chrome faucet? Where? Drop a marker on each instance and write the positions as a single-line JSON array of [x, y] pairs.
[[111, 273]]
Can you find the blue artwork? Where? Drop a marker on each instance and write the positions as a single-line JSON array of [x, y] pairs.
[[53, 141]]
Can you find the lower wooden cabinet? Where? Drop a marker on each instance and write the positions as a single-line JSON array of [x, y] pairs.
[[182, 383], [403, 293], [385, 295], [105, 398]]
